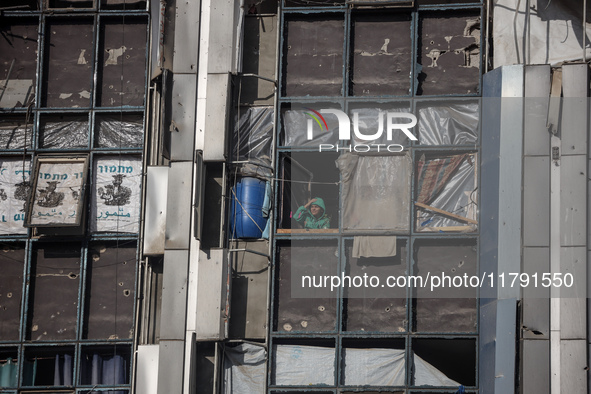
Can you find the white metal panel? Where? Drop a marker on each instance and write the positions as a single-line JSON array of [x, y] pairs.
[[573, 366], [212, 288], [179, 205], [222, 37], [182, 127], [573, 300], [155, 217], [575, 86], [147, 369], [216, 117], [174, 294], [573, 200], [170, 367], [536, 197], [537, 92], [186, 32]]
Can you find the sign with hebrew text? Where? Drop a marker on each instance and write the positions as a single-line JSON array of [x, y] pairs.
[[116, 194], [15, 176]]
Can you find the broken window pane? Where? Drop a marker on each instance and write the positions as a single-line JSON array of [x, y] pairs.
[[375, 310], [381, 42], [303, 365], [449, 54], [446, 193], [116, 198], [447, 308], [444, 362], [304, 314], [365, 364], [372, 186], [18, 61], [105, 365], [450, 124], [119, 131], [54, 292], [314, 57], [110, 291], [12, 260], [12, 132], [63, 131], [122, 62], [46, 366], [68, 63], [15, 175]]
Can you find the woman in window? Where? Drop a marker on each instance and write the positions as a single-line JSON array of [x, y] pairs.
[[312, 215]]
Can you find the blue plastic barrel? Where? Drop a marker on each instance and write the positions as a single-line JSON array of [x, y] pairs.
[[246, 210]]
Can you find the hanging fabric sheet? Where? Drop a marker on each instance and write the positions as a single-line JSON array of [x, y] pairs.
[[8, 373], [244, 369], [62, 373], [14, 190]]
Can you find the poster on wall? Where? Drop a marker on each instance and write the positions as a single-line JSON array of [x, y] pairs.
[[57, 200], [116, 194], [15, 175]]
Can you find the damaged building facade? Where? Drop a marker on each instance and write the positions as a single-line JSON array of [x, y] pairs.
[[153, 155]]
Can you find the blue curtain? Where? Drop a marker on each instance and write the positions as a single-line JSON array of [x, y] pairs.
[[108, 370], [62, 373], [8, 373]]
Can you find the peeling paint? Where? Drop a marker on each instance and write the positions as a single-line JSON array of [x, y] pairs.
[[114, 55], [84, 94], [81, 59], [383, 50], [64, 96]]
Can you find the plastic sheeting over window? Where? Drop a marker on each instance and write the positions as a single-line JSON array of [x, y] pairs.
[[15, 186], [448, 184], [370, 120], [454, 124], [376, 191], [294, 123], [12, 133], [119, 131], [8, 373], [101, 368], [373, 367], [251, 142], [64, 132], [244, 369], [116, 194], [298, 365]]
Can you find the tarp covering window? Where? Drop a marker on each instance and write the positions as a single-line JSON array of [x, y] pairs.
[[369, 120], [373, 367], [449, 184], [15, 175], [119, 131], [12, 133], [295, 129], [454, 124], [251, 141], [244, 369], [116, 194], [8, 373], [64, 132], [376, 191], [298, 365]]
